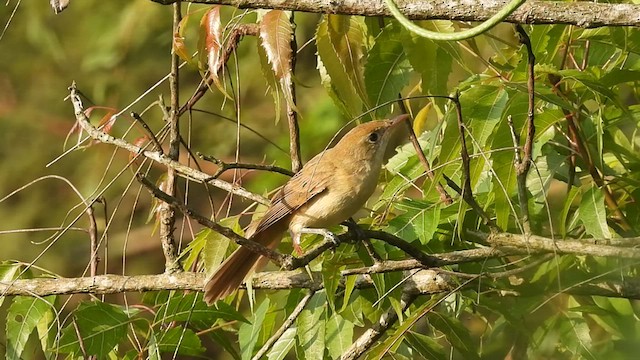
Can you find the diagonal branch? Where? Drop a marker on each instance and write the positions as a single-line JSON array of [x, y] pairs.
[[156, 156]]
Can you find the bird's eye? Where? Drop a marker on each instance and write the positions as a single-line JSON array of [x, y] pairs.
[[373, 137]]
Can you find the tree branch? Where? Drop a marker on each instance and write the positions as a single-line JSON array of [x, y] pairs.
[[582, 14], [156, 156], [421, 282]]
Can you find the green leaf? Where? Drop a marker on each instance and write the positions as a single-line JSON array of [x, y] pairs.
[[334, 77], [425, 346], [339, 335], [482, 109], [311, 327], [457, 335], [387, 70], [249, 333], [331, 267], [101, 326], [593, 214], [184, 340], [221, 338], [431, 59], [348, 37], [9, 271], [420, 219], [216, 245], [191, 308], [282, 346], [25, 313]]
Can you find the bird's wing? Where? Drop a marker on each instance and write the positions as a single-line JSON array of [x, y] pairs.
[[310, 181]]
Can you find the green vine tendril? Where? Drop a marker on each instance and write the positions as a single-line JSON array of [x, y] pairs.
[[461, 35]]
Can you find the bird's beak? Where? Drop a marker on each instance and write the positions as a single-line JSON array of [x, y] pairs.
[[398, 120]]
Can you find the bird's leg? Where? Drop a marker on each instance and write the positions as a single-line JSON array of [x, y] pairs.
[[324, 232]]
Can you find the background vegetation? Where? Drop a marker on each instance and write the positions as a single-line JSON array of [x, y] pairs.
[[584, 184]]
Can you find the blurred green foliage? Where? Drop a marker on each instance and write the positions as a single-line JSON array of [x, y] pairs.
[[115, 51]]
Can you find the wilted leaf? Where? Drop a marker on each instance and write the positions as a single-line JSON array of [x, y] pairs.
[[211, 45], [275, 36]]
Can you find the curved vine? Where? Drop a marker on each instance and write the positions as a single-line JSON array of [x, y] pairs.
[[461, 35]]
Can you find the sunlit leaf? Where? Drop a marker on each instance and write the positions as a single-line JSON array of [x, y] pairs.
[[248, 333], [339, 334], [282, 346], [25, 313], [275, 35], [593, 214], [333, 74], [311, 327], [387, 70]]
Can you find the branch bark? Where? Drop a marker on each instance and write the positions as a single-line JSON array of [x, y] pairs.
[[582, 14], [156, 156], [422, 282]]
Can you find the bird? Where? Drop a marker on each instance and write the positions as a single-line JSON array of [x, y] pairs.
[[329, 189]]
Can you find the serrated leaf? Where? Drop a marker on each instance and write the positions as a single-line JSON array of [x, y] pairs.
[[184, 340], [339, 335], [248, 333], [347, 35], [102, 326], [191, 308], [331, 267], [593, 214], [282, 346], [275, 35], [311, 327], [24, 314], [210, 47], [420, 220], [387, 70], [333, 74]]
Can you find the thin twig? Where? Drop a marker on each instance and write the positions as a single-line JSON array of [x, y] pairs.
[[522, 166], [93, 236], [158, 157], [154, 140], [467, 192], [292, 114], [444, 196], [285, 326], [364, 342], [276, 257], [166, 213], [224, 166]]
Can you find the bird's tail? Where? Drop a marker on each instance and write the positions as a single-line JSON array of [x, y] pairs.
[[233, 271]]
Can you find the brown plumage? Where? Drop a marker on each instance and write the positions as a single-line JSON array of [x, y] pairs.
[[328, 190]]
